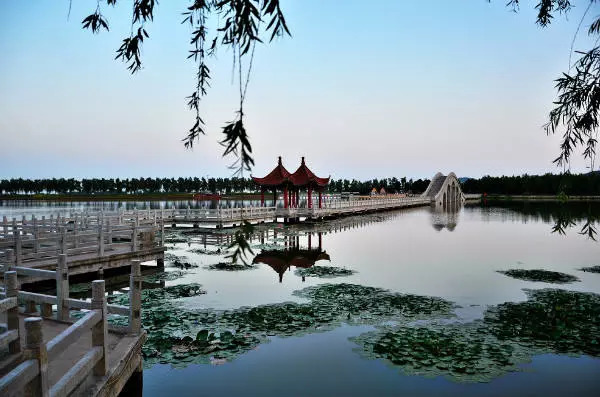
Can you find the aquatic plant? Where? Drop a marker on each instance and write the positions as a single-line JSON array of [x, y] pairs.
[[324, 272], [157, 295], [540, 275], [461, 352], [591, 269], [182, 265], [164, 276], [203, 251], [230, 267], [554, 320], [172, 330]]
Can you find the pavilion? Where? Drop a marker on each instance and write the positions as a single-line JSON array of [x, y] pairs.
[[292, 184]]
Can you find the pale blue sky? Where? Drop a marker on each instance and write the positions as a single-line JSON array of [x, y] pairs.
[[363, 89]]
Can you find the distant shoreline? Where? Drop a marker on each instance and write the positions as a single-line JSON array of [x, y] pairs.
[[509, 197], [244, 196], [119, 197]]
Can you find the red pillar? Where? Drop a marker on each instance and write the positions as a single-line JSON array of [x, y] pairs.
[[310, 197], [297, 198], [320, 200], [262, 197], [285, 197]]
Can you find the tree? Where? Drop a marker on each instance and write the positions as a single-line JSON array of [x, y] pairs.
[[242, 23], [576, 109]]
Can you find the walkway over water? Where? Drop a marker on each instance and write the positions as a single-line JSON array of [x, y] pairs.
[[52, 354]]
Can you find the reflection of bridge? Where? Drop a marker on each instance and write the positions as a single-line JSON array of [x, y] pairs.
[[441, 190]]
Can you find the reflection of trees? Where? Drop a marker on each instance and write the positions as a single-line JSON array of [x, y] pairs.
[[445, 216], [563, 216]]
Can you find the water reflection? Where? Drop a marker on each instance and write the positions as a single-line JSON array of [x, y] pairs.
[[445, 215], [562, 216], [283, 260]]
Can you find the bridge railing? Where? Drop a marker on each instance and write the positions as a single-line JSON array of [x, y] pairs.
[[64, 304], [105, 239], [31, 376]]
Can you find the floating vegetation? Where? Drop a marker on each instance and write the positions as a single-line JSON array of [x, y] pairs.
[[164, 276], [152, 296], [369, 302], [324, 272], [173, 331], [461, 352], [182, 265], [230, 267], [591, 269], [551, 319], [540, 275], [176, 240], [203, 251]]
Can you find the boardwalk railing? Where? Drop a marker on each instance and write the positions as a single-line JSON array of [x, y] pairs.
[[31, 374], [17, 248], [64, 304], [86, 225]]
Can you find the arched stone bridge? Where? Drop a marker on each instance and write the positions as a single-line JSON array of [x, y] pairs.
[[444, 190]]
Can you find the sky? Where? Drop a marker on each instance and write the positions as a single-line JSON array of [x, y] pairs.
[[362, 89]]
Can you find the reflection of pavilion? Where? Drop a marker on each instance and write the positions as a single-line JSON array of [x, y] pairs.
[[445, 216], [283, 260]]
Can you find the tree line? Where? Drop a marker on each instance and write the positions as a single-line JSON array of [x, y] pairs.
[[547, 184], [187, 185]]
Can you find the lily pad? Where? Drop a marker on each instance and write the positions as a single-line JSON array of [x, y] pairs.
[[324, 272], [230, 267], [540, 275], [591, 269]]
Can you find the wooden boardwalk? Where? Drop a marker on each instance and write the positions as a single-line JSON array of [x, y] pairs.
[[51, 354], [89, 247]]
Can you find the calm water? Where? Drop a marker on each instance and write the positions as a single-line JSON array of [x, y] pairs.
[[420, 251]]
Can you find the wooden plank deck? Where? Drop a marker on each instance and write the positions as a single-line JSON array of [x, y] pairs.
[[56, 357]]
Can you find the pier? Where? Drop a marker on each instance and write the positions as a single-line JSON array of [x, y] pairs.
[[59, 353]]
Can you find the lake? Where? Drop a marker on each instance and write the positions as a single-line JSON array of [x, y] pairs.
[[407, 302]]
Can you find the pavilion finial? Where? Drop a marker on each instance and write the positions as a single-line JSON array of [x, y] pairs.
[[302, 159], [279, 162]]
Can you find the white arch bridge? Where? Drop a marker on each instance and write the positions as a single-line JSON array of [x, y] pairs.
[[445, 190]]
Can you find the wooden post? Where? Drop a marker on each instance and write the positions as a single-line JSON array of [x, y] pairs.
[[134, 239], [109, 232], [310, 197], [63, 241], [5, 225], [30, 307], [10, 260], [12, 315], [62, 288], [36, 243], [135, 297], [262, 197], [35, 349], [285, 197], [162, 232], [100, 330], [18, 248], [320, 199], [100, 240]]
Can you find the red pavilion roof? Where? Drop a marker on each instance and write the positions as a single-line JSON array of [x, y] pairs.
[[278, 176], [303, 176]]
